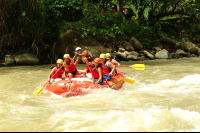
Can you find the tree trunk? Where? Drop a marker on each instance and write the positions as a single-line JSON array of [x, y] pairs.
[[0, 51], [119, 5]]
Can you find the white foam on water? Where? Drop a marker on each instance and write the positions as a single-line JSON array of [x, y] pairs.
[[159, 119], [152, 119], [185, 85], [23, 97]]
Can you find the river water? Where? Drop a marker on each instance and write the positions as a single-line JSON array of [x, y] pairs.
[[164, 97]]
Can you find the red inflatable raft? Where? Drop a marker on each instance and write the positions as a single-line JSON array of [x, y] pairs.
[[80, 85]]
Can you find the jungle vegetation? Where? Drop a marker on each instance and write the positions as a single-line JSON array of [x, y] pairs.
[[33, 25]]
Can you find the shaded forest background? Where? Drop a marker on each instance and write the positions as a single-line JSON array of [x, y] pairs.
[[34, 25]]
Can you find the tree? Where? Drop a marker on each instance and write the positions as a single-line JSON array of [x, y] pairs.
[[119, 5]]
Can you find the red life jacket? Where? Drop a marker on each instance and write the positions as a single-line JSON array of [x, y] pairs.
[[58, 74], [71, 67], [95, 73], [87, 68], [106, 69]]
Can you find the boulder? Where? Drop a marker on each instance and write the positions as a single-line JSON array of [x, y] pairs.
[[26, 59], [121, 50], [173, 55], [141, 53], [132, 57], [134, 53], [157, 49], [121, 56], [168, 40], [178, 45], [68, 41], [143, 57], [190, 47], [128, 46], [163, 54], [9, 59], [8, 64], [146, 53], [181, 53], [136, 44], [127, 53]]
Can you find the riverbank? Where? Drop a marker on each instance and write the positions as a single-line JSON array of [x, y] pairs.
[[126, 50]]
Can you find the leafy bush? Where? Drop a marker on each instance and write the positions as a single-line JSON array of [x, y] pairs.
[[114, 25]]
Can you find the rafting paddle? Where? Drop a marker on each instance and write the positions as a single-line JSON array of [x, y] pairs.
[[74, 56], [130, 81], [136, 66], [39, 91]]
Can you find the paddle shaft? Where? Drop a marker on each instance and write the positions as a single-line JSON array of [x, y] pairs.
[[123, 66], [74, 56]]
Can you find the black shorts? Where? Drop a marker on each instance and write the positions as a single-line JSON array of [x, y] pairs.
[[90, 59], [74, 73]]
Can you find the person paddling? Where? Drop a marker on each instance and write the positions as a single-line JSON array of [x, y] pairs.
[[108, 67], [88, 67], [113, 61], [64, 57], [71, 70], [97, 71], [81, 54], [71, 60], [108, 57], [60, 72], [68, 56]]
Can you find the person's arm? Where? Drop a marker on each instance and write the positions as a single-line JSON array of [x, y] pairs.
[[72, 61], [52, 71], [86, 69], [115, 62], [84, 53], [111, 66], [100, 75], [77, 60], [65, 66]]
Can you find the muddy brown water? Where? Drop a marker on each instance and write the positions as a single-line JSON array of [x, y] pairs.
[[164, 97]]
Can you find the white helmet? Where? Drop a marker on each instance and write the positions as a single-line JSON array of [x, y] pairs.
[[78, 48]]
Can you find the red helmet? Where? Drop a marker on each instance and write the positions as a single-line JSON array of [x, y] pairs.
[[97, 60]]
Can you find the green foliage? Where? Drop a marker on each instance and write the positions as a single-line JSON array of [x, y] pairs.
[[34, 24], [99, 24], [113, 25], [59, 12]]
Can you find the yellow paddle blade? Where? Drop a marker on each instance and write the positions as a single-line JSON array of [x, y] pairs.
[[138, 66], [38, 91], [130, 81]]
